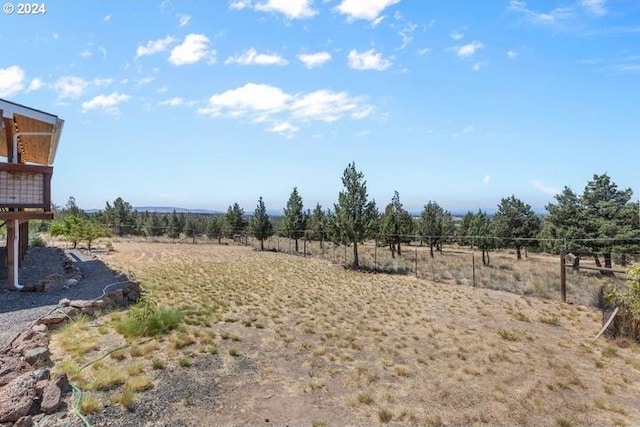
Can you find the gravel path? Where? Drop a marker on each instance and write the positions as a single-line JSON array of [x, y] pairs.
[[19, 309]]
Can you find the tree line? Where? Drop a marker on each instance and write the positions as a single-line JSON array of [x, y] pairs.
[[602, 221]]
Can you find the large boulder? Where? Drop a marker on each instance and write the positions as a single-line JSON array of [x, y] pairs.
[[17, 397]]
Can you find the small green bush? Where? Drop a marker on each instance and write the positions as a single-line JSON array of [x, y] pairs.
[[146, 319]]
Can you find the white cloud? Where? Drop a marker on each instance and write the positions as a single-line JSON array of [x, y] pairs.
[[250, 98], [173, 102], [183, 20], [407, 34], [541, 186], [369, 60], [107, 18], [292, 9], [145, 80], [239, 4], [35, 84], [312, 60], [595, 7], [194, 48], [70, 87], [285, 129], [544, 18], [512, 54], [359, 9], [86, 53], [252, 57], [486, 179], [469, 49], [154, 46], [328, 106], [456, 35], [107, 103], [11, 80], [477, 66], [260, 103]]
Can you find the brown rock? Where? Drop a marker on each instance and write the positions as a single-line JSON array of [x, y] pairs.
[[71, 311], [53, 318], [54, 282], [21, 346], [63, 383], [51, 399], [117, 296], [37, 355], [17, 397], [11, 368], [39, 328], [64, 302], [24, 422]]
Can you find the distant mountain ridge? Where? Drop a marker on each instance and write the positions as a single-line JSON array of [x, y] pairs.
[[164, 209]]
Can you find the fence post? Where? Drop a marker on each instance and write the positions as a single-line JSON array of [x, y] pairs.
[[304, 247], [416, 262], [563, 276], [473, 268], [375, 256]]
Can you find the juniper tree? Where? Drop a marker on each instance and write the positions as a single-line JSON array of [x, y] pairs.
[[214, 228], [294, 221], [515, 221], [318, 226], [396, 225], [261, 225], [355, 215], [235, 220]]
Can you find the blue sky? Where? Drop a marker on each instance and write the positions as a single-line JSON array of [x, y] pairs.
[[200, 104]]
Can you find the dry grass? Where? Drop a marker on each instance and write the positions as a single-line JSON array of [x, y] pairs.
[[355, 348]]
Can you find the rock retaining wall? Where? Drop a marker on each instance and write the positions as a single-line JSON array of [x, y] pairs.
[[29, 394]]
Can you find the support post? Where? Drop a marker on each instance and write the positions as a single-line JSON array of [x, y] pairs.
[[415, 266], [563, 276], [473, 268], [375, 256]]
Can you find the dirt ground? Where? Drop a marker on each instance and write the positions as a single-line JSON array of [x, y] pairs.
[[277, 339]]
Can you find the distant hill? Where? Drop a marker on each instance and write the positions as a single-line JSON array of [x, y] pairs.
[[164, 209], [169, 209]]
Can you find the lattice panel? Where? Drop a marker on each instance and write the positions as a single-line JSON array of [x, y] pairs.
[[21, 188]]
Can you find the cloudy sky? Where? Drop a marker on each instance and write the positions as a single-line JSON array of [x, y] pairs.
[[203, 104]]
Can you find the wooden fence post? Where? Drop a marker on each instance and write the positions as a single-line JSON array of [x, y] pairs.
[[375, 256], [563, 276]]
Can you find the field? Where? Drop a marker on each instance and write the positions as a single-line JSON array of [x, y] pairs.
[[288, 340]]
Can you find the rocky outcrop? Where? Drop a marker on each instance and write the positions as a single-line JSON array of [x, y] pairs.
[[29, 395]]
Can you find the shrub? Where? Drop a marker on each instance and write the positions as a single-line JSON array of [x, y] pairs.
[[147, 319], [627, 322]]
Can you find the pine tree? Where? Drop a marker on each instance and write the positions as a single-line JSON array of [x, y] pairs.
[[515, 221], [482, 234], [261, 225], [153, 225], [214, 228], [318, 225], [396, 225], [355, 216], [174, 227], [235, 220], [294, 221], [435, 223]]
